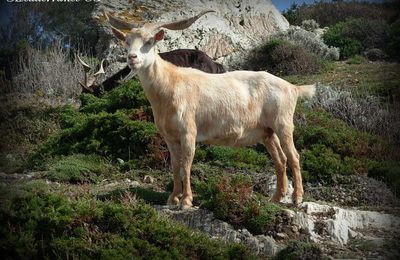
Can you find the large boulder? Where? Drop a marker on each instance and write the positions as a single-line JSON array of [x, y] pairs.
[[226, 35]]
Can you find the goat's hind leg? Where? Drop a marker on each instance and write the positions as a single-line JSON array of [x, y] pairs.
[[188, 146], [285, 134], [279, 158]]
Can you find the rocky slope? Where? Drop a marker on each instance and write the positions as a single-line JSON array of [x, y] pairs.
[[341, 232], [226, 35]]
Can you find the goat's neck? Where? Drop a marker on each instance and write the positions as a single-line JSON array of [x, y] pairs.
[[157, 80]]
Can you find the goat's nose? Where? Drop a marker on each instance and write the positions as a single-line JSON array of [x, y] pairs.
[[132, 56]]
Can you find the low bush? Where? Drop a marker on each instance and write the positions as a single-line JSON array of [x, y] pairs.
[[22, 129], [310, 25], [43, 224], [128, 95], [107, 126], [107, 134], [320, 163], [238, 157], [362, 111], [355, 35], [389, 172], [283, 58], [233, 200], [310, 39], [393, 42], [300, 250], [357, 59], [328, 147], [79, 168], [330, 13]]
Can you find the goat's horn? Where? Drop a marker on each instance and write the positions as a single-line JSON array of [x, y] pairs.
[[121, 24], [86, 67], [101, 70], [178, 25]]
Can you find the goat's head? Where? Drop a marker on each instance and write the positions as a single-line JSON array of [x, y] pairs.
[[90, 77], [141, 38]]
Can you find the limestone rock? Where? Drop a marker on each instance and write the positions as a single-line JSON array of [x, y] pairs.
[[148, 179], [204, 221], [341, 224], [226, 35]]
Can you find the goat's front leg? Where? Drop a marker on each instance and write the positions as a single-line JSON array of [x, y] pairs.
[[188, 146], [174, 151]]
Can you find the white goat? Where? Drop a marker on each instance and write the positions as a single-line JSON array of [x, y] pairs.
[[236, 108]]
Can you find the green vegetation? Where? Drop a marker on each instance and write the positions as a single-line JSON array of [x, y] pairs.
[[79, 168], [379, 79], [98, 154], [232, 199], [236, 157], [355, 35], [355, 27], [109, 132], [281, 57], [46, 223], [356, 59], [329, 147], [300, 250], [330, 13], [394, 41]]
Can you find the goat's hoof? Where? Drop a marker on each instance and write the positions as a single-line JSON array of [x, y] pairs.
[[173, 200], [297, 200], [185, 203], [277, 197]]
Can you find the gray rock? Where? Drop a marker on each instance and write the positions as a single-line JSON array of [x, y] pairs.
[[226, 35], [148, 179], [204, 221]]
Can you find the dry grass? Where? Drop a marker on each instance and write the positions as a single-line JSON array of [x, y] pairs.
[[47, 75]]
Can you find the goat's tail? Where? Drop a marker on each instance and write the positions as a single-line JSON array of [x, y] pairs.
[[306, 91]]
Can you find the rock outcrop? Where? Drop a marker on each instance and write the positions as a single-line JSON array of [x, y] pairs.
[[226, 35], [323, 224], [204, 221]]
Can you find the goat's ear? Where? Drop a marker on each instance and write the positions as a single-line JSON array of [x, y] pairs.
[[120, 35], [159, 36]]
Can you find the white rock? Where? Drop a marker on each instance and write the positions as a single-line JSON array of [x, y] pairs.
[[226, 35], [341, 223]]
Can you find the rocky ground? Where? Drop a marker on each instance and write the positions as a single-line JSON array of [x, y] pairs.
[[342, 229]]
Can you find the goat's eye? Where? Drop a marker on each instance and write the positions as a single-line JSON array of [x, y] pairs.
[[148, 43]]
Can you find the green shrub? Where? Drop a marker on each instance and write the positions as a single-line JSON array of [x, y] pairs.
[[232, 199], [320, 163], [330, 13], [300, 250], [79, 168], [393, 44], [259, 219], [283, 58], [47, 225], [106, 134], [356, 35], [128, 95], [107, 126], [328, 147], [357, 59], [389, 172], [238, 157]]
